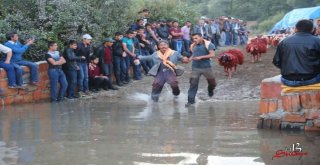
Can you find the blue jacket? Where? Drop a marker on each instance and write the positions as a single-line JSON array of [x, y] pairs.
[[17, 50], [197, 29]]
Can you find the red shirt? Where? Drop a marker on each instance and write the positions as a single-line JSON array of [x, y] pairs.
[[94, 71], [107, 55], [176, 30]]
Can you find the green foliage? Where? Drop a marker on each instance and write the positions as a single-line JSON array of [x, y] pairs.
[[61, 20], [267, 24]]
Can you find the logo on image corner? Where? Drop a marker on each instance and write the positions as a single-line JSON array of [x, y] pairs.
[[294, 150]]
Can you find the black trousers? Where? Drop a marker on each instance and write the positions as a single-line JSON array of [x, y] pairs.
[[99, 82]]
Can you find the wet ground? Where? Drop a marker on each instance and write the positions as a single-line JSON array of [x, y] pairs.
[[126, 127]]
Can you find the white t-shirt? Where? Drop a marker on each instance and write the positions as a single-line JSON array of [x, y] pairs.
[[4, 49]]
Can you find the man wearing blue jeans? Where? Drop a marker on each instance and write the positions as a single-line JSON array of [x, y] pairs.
[[71, 67], [14, 76], [17, 60], [129, 49], [83, 50], [177, 35], [55, 72], [298, 56]]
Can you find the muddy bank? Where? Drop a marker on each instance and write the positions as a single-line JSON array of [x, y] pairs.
[[244, 85]]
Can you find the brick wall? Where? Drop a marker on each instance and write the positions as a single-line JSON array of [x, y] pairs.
[[31, 93], [298, 110]]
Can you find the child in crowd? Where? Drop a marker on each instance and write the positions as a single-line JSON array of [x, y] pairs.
[[56, 75], [96, 78]]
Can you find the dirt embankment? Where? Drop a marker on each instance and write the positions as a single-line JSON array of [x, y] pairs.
[[244, 85]]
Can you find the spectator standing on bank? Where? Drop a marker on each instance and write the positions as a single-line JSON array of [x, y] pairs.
[[119, 60], [129, 49], [72, 67], [104, 53], [83, 50], [55, 72], [186, 36], [163, 30], [176, 34]]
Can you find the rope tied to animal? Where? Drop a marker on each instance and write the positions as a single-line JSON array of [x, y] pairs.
[[165, 56]]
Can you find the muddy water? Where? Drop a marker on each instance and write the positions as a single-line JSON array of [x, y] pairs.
[[126, 127], [108, 131]]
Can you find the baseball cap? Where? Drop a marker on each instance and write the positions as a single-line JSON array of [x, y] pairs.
[[109, 39], [87, 36]]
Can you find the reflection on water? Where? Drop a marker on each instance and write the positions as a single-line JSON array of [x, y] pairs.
[[137, 131]]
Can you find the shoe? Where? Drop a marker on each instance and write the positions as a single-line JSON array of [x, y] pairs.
[[120, 84], [210, 93], [127, 82], [155, 99], [60, 99], [189, 104], [94, 90], [105, 88], [82, 94], [71, 98], [34, 83], [114, 88], [76, 96], [12, 86], [54, 101], [21, 86], [88, 93]]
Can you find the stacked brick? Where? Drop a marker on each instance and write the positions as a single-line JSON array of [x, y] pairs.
[[31, 93], [296, 110]]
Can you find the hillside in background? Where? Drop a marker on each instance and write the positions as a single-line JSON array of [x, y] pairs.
[[266, 12]]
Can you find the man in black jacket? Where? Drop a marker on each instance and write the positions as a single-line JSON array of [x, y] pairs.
[[118, 59], [298, 57], [163, 30], [84, 49]]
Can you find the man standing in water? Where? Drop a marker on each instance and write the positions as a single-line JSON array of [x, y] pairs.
[[202, 52], [164, 70]]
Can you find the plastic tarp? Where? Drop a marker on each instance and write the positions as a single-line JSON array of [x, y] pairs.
[[291, 18]]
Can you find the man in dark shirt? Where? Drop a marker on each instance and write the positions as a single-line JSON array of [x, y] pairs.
[[83, 49], [118, 59], [163, 30], [72, 68], [202, 52], [96, 77], [298, 56]]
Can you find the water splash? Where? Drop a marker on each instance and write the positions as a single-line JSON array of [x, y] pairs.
[[140, 97]]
